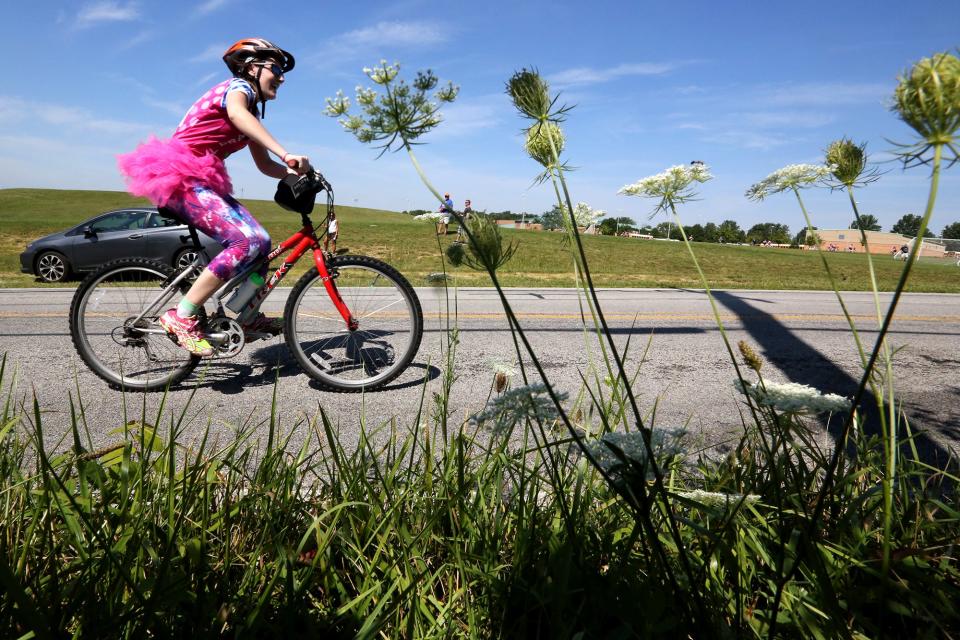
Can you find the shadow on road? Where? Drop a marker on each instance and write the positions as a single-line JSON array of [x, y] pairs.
[[269, 364], [803, 364]]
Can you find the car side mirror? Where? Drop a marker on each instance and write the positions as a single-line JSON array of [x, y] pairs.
[[89, 232]]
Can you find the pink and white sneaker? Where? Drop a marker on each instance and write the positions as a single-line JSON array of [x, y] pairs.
[[188, 333]]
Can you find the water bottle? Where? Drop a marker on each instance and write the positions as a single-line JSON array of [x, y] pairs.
[[244, 292]]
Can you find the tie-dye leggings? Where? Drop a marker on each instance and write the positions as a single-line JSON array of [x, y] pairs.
[[229, 223]]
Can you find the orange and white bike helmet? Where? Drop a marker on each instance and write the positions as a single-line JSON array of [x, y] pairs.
[[248, 50], [252, 50]]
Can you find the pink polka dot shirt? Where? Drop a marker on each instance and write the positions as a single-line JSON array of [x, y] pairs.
[[206, 127]]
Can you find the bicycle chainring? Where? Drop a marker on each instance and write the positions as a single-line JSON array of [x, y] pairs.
[[233, 339]]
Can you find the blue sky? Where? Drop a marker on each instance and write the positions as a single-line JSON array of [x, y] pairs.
[[747, 87]]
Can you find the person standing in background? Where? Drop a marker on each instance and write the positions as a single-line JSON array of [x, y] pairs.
[[467, 215], [333, 229], [445, 210]]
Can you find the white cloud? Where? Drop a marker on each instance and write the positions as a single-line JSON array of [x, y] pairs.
[[468, 117], [95, 13], [69, 118], [748, 139], [802, 119], [211, 53], [137, 40], [370, 43], [589, 75], [387, 34], [822, 94], [210, 6]]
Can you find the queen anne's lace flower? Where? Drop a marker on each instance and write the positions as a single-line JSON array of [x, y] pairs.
[[337, 105], [384, 73], [432, 216], [506, 410], [794, 176], [366, 96], [792, 397], [666, 443], [674, 180], [713, 499]]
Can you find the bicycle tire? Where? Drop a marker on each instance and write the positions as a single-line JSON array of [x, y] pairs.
[[103, 305], [380, 349]]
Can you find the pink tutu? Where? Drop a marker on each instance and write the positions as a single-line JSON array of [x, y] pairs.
[[160, 169]]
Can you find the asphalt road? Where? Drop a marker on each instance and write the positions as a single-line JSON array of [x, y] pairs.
[[686, 373]]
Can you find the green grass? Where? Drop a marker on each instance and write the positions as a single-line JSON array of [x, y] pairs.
[[543, 259]]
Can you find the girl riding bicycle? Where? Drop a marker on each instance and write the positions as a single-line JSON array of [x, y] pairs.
[[186, 173]]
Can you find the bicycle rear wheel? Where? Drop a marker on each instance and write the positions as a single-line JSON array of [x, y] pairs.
[[126, 352], [389, 332]]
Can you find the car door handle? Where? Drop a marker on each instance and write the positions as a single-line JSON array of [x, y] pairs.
[[135, 236]]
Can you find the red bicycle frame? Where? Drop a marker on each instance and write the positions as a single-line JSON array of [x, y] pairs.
[[300, 243]]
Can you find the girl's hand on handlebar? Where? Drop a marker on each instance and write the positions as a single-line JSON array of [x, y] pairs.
[[300, 164]]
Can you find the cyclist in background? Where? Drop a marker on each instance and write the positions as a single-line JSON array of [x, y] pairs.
[[186, 173]]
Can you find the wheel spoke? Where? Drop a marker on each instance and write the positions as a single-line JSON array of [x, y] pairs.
[[373, 354]]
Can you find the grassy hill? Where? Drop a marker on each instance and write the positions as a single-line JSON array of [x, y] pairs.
[[543, 259]]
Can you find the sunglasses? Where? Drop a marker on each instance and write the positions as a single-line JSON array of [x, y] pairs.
[[275, 68]]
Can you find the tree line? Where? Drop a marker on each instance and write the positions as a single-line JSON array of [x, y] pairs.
[[728, 231]]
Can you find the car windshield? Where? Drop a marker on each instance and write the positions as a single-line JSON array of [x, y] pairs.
[[120, 221]]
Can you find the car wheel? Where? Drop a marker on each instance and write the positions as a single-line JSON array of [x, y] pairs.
[[52, 267], [184, 258]]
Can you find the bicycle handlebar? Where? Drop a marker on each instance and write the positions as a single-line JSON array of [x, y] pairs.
[[298, 193]]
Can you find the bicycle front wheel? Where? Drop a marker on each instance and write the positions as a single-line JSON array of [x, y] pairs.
[[113, 322], [390, 325]]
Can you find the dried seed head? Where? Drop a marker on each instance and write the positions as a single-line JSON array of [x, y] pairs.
[[500, 381], [928, 98], [538, 143], [846, 160], [530, 94], [750, 356]]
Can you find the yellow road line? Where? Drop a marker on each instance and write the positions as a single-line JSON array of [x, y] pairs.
[[639, 317]]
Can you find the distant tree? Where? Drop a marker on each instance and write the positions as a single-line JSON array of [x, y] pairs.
[[664, 230], [867, 222], [951, 231], [552, 219], [909, 225], [694, 232], [772, 231], [730, 231], [804, 236], [710, 232], [612, 226]]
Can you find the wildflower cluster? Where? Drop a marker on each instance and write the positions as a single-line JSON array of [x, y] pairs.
[[673, 186], [402, 112], [717, 500], [615, 452], [794, 398], [529, 402], [794, 176]]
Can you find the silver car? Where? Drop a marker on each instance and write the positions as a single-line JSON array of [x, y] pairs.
[[125, 233]]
